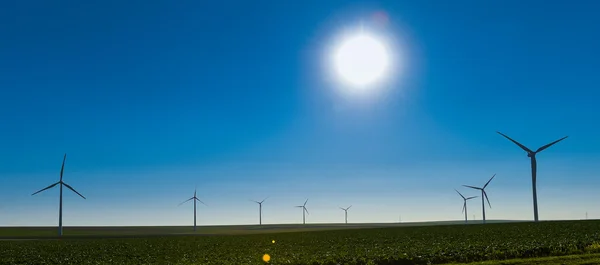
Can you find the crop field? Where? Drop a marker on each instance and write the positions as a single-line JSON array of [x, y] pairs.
[[391, 245]]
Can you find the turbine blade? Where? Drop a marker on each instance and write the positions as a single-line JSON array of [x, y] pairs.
[[486, 198], [254, 201], [49, 187], [550, 144], [200, 201], [517, 143], [306, 210], [298, 206], [186, 201], [464, 206], [305, 202], [460, 194], [62, 168], [264, 199], [71, 188], [488, 181], [471, 198], [342, 208], [348, 207], [472, 187]]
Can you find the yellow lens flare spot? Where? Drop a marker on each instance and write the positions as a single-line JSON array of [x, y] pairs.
[[266, 257], [273, 241]]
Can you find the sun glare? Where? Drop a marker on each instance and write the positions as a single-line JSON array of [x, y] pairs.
[[361, 60]]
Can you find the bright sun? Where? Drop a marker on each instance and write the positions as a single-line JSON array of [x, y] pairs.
[[361, 60]]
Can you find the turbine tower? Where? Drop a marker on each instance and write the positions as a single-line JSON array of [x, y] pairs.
[[346, 212], [532, 154], [303, 211], [60, 204], [259, 210], [483, 194], [465, 204], [195, 199]]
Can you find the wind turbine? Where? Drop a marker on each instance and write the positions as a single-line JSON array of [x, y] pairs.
[[60, 204], [303, 211], [346, 212], [532, 154], [465, 204], [260, 210], [195, 199], [483, 194]]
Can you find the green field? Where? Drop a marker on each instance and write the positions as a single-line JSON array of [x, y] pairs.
[[382, 244]]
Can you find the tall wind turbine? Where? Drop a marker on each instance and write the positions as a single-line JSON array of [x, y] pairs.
[[532, 154], [260, 210], [346, 212], [303, 211], [483, 194], [60, 204], [465, 204], [195, 199]]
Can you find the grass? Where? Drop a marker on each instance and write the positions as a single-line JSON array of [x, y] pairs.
[[502, 243]]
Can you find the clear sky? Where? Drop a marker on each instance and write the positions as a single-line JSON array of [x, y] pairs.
[[151, 98]]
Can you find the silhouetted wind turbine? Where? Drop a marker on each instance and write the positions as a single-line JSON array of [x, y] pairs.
[[60, 204], [346, 212], [260, 210], [303, 211], [465, 204], [532, 154], [195, 199], [483, 194]]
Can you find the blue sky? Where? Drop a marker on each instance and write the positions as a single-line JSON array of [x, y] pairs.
[[150, 98]]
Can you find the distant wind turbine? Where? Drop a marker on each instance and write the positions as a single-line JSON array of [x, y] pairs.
[[483, 194], [259, 210], [532, 154], [346, 212], [303, 211], [195, 199], [464, 209], [60, 204]]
